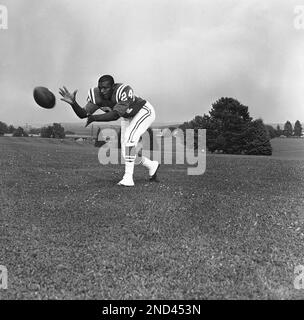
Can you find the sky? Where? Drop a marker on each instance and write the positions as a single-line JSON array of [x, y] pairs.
[[180, 55]]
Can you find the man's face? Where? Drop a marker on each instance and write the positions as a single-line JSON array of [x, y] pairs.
[[106, 89]]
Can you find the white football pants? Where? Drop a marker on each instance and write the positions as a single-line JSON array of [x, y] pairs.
[[133, 128]]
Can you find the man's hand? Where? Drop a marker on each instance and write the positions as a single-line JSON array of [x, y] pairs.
[[67, 96], [90, 120]]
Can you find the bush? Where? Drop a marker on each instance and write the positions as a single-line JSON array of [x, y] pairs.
[[46, 132], [298, 129], [55, 131], [35, 131], [271, 131], [58, 131], [19, 132], [257, 139], [3, 128]]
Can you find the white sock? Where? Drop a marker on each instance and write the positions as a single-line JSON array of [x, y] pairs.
[[146, 162], [129, 162], [129, 168]]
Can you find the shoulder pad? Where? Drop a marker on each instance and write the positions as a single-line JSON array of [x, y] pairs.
[[124, 93], [94, 96]]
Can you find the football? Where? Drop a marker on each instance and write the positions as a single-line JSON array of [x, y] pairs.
[[44, 97]]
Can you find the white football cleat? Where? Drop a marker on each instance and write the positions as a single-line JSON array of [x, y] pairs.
[[153, 170], [126, 182]]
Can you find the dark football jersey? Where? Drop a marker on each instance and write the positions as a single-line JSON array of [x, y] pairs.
[[123, 100]]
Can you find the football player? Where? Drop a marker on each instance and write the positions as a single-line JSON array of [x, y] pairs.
[[118, 101]]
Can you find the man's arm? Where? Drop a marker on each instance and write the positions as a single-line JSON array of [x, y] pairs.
[[91, 108], [81, 112], [109, 116]]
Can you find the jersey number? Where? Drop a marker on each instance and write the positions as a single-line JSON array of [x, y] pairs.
[[124, 95]]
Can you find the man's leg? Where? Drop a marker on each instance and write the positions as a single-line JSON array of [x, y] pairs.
[[152, 166], [126, 154], [138, 125]]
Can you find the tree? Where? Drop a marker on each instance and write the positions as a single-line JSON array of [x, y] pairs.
[[54, 131], [298, 129], [230, 129], [257, 139], [272, 132], [227, 125], [19, 132], [46, 132], [287, 129], [11, 129], [3, 128], [58, 131], [279, 131], [35, 131]]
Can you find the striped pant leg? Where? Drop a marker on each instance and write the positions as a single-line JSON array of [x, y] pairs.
[[139, 124], [123, 125], [136, 128]]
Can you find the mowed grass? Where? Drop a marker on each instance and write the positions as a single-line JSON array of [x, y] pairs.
[[67, 231]]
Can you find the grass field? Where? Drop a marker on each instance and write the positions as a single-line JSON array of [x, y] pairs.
[[68, 232]]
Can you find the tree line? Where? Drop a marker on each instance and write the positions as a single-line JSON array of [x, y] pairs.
[[52, 131], [287, 131], [229, 129]]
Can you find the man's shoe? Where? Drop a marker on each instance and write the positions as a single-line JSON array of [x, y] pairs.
[[153, 171], [126, 182]]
